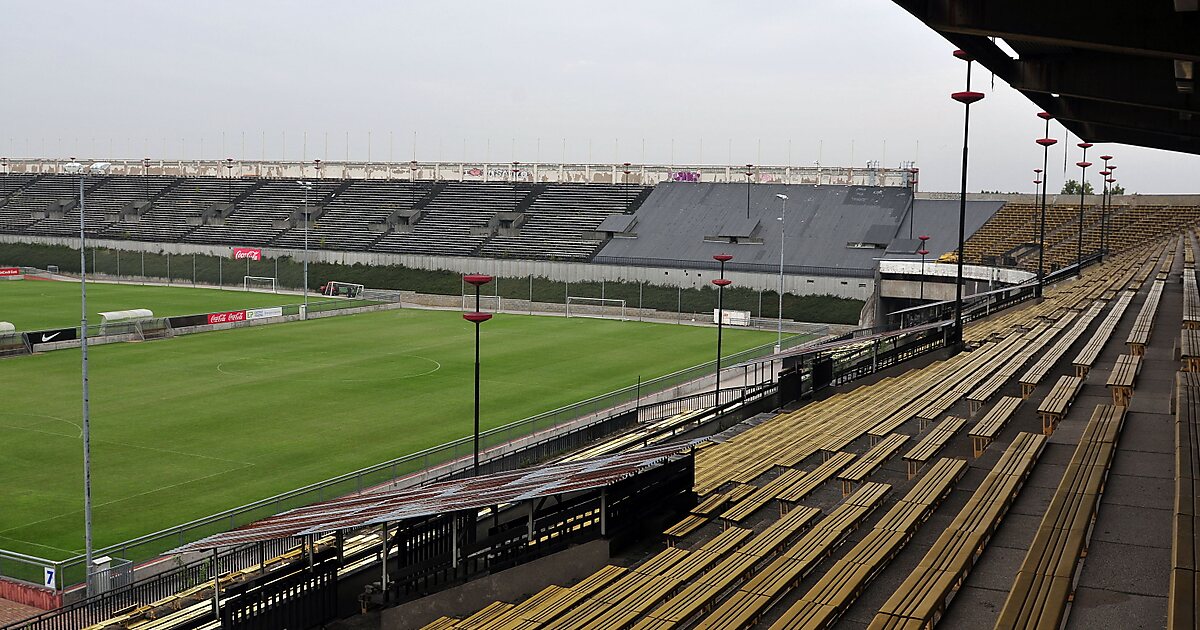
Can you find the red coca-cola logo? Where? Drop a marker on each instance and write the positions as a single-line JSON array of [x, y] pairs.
[[247, 253], [10, 271], [226, 317]]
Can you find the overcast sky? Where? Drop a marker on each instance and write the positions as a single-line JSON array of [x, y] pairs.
[[665, 82]]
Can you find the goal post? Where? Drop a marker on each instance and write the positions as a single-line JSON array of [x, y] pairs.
[[595, 307], [259, 283], [335, 288], [487, 303]]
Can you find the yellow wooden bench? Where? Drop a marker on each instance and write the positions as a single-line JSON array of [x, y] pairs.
[[931, 444], [1058, 401], [1121, 379], [870, 461], [986, 430], [922, 597]]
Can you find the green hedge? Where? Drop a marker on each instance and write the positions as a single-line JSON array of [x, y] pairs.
[[204, 269]]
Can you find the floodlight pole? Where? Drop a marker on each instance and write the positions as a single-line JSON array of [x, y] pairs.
[[721, 284], [966, 98], [749, 174], [76, 167], [307, 187], [477, 318], [782, 239], [1083, 165], [1046, 142]]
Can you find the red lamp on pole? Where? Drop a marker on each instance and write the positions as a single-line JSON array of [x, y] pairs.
[[1104, 206], [966, 97], [477, 317], [1046, 142], [721, 284], [1083, 166]]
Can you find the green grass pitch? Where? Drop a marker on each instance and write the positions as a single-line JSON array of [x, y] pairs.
[[186, 427], [36, 304]]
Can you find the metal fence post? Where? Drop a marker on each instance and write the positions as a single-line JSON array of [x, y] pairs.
[[193, 269], [168, 267]]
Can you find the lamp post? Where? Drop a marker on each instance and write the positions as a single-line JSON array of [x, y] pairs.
[[1110, 180], [412, 184], [477, 318], [76, 167], [966, 98], [146, 177], [923, 252], [1046, 142], [782, 238], [229, 179], [721, 283], [307, 187], [626, 186], [749, 175], [1083, 166], [1105, 173]]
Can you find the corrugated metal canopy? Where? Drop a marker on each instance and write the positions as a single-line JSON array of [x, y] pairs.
[[448, 496]]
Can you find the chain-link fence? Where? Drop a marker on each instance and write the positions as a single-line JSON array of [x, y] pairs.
[[199, 269]]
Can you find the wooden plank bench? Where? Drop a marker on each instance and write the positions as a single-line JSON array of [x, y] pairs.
[[931, 444], [870, 462], [1045, 582], [1183, 606], [921, 598], [813, 480], [842, 584], [484, 616], [1189, 349], [746, 606], [1121, 379], [1143, 325], [1058, 401], [1088, 355], [988, 427], [762, 496]]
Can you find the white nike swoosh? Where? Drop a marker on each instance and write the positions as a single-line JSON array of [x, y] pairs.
[[46, 337]]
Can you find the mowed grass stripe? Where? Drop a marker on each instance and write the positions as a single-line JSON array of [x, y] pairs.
[[38, 304], [190, 426]]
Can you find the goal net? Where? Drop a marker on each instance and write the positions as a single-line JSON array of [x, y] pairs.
[[259, 283], [595, 307], [487, 303], [333, 288]]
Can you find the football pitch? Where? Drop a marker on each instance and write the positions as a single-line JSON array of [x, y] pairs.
[[190, 426]]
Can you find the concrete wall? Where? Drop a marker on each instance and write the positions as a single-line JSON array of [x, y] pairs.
[[563, 568], [639, 174], [856, 288]]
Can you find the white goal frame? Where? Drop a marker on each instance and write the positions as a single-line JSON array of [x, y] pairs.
[[582, 301], [246, 283], [357, 292], [468, 303]]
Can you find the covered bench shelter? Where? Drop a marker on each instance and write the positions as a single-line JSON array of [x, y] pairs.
[[445, 532]]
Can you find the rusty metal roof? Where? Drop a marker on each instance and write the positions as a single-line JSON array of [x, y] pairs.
[[361, 510]]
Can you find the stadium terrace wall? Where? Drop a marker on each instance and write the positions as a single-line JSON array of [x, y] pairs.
[[843, 283], [545, 172]]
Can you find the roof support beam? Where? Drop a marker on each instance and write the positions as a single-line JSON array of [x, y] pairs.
[[1134, 81], [1150, 29]]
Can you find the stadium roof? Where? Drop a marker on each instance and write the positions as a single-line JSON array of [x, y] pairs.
[[829, 226], [473, 493], [1109, 70]]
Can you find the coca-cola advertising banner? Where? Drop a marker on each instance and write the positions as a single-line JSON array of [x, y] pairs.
[[9, 271], [247, 253], [226, 317]]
